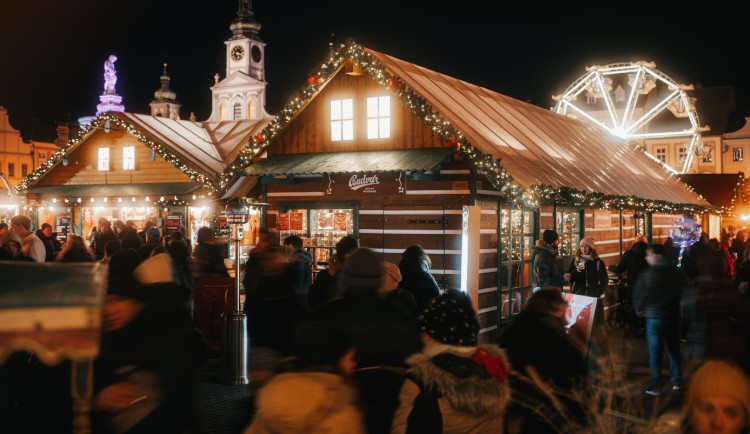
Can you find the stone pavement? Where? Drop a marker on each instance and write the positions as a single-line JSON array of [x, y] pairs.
[[227, 409]]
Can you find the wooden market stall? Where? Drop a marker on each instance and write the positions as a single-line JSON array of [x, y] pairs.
[[396, 154]]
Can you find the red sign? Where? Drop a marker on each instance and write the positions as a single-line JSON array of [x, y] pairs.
[[296, 221], [282, 221], [367, 183]]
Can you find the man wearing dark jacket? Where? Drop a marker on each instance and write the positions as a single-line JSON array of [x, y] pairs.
[[546, 271], [300, 268], [657, 294]]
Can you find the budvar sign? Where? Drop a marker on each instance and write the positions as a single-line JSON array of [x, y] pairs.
[[367, 183]]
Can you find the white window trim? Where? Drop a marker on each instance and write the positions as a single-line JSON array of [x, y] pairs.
[[379, 117], [342, 123], [128, 158]]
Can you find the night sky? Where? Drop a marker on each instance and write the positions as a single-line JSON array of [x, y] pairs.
[[52, 52]]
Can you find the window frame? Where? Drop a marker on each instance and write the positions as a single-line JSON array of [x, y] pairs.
[[340, 124], [128, 158], [100, 159], [376, 119]]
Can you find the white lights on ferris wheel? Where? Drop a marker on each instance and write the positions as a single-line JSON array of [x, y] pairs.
[[642, 96]]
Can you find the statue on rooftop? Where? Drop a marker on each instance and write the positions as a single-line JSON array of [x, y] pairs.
[[110, 75]]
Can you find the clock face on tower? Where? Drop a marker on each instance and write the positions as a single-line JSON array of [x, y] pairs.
[[237, 52], [255, 52]]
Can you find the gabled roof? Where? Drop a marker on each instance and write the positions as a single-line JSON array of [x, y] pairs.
[[206, 146], [520, 146], [202, 150], [537, 146]]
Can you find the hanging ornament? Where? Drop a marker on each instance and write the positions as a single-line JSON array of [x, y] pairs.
[[65, 160]]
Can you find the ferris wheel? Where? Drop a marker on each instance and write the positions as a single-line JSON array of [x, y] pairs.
[[637, 102]]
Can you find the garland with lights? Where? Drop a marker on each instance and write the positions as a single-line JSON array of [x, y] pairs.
[[104, 121], [485, 163]]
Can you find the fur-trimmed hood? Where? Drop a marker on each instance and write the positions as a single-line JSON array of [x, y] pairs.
[[541, 246], [466, 391]]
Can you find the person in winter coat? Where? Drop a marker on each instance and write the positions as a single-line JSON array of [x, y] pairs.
[[588, 273], [415, 275], [537, 341], [300, 268], [313, 393], [384, 335], [453, 385], [326, 286], [145, 374], [657, 294], [633, 261], [544, 260]]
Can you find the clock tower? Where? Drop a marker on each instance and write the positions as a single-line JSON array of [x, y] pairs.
[[241, 95]]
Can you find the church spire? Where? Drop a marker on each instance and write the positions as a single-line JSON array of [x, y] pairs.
[[164, 103], [245, 26]]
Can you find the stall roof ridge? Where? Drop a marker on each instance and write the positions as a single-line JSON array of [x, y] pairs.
[[537, 146], [207, 146]]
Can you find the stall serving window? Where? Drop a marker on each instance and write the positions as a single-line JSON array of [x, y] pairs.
[[517, 228], [320, 225]]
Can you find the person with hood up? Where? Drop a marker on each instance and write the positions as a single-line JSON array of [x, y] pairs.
[[415, 275], [544, 260], [588, 273], [453, 385], [314, 392], [10, 244]]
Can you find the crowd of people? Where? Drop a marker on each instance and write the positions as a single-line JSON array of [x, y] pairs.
[[377, 347]]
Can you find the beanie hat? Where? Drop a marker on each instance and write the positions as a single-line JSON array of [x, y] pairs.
[[450, 319], [153, 233], [345, 245], [392, 276], [363, 268], [588, 241], [155, 269], [11, 236], [549, 236], [719, 378]]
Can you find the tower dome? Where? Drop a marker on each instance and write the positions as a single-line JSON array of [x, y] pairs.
[[245, 26], [164, 104]]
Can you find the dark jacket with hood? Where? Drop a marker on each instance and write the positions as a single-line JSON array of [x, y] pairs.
[[546, 272], [416, 278]]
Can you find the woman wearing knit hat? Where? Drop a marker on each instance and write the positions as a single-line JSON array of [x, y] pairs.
[[588, 273], [454, 385], [717, 401]]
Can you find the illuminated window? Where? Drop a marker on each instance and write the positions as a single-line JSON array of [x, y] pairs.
[[42, 155], [103, 162], [11, 169], [128, 158], [590, 100], [342, 120], [737, 154], [24, 169], [661, 154], [379, 117], [237, 112], [709, 158]]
